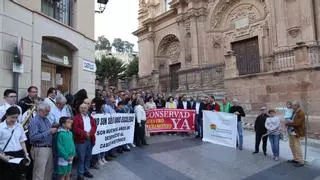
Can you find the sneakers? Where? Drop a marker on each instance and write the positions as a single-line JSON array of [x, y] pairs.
[[276, 158], [104, 161], [293, 133], [100, 162]]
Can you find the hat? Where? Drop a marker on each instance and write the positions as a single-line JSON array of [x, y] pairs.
[[263, 108]]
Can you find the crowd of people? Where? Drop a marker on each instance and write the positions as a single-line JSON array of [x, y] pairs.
[[51, 135]]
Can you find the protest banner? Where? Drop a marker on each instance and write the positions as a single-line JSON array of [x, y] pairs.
[[113, 130], [220, 128], [170, 120]]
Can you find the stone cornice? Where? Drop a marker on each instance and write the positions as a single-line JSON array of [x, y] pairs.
[[192, 13], [140, 31]]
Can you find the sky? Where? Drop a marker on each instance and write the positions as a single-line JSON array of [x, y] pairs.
[[119, 20]]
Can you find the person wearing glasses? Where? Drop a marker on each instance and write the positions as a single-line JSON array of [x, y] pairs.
[[32, 97], [40, 134], [10, 98]]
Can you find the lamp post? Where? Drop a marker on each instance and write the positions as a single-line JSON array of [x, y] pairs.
[[102, 6]]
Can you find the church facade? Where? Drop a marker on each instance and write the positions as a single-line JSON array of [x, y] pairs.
[[262, 52]]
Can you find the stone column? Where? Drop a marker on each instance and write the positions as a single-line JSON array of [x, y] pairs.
[[155, 80], [231, 69], [301, 55], [151, 37]]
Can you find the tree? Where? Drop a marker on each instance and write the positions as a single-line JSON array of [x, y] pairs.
[[110, 69], [133, 67], [118, 44], [103, 44], [128, 47]]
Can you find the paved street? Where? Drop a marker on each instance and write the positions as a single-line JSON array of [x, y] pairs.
[[182, 158]]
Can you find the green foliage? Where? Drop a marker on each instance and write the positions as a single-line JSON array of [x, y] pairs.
[[103, 44], [110, 69], [133, 67], [118, 44], [122, 46]]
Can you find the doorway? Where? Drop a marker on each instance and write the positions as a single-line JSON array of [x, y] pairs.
[[174, 76], [247, 56], [53, 75]]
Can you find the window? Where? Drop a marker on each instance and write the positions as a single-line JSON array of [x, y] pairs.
[[167, 5], [60, 10]]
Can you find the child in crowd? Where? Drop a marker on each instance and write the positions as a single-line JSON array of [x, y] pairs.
[[66, 148], [273, 126], [288, 113]]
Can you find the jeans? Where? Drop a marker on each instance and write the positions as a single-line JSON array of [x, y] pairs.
[[199, 125], [84, 152], [274, 141], [240, 134]]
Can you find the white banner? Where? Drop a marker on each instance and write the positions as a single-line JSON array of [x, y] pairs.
[[220, 128], [113, 130]]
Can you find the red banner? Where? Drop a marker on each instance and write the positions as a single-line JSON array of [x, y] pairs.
[[171, 120]]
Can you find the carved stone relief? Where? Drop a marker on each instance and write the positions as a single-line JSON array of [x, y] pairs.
[[170, 47], [294, 32]]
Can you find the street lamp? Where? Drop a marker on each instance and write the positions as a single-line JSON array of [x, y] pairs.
[[102, 6]]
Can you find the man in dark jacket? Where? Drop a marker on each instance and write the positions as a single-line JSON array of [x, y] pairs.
[[27, 102], [238, 110], [260, 129], [183, 103]]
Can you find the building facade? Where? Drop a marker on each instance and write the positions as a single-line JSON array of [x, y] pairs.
[[57, 44], [260, 51]]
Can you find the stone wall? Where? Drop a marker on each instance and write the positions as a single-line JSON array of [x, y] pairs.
[[274, 89]]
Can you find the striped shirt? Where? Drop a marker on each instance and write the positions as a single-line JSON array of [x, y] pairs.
[[39, 131]]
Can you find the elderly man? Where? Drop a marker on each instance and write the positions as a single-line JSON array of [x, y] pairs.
[[261, 130], [298, 123], [59, 110], [40, 134], [84, 128], [238, 110]]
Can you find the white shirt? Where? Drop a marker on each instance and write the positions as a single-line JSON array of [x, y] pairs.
[[272, 123], [55, 114], [49, 101], [184, 104], [86, 123], [17, 137], [197, 107], [140, 113], [5, 106]]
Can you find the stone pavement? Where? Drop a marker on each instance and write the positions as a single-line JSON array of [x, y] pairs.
[[313, 148], [185, 158]]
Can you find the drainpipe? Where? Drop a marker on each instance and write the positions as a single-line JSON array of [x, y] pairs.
[[315, 23]]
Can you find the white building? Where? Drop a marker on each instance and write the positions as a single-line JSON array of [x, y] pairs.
[[58, 44]]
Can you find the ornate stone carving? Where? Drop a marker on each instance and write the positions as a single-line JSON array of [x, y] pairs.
[[294, 32], [170, 47], [216, 18], [143, 7], [241, 12], [238, 12], [217, 40], [151, 36]]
